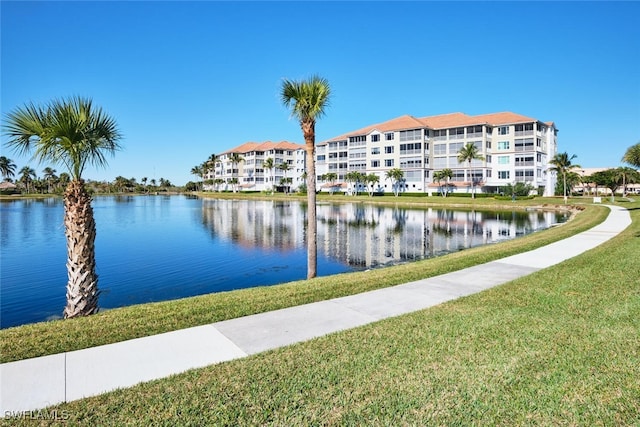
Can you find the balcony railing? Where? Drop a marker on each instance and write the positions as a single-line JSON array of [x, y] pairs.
[[524, 132]]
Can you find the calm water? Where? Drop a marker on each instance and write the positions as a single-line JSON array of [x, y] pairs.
[[154, 248]]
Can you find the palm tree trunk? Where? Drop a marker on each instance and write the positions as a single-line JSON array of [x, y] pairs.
[[312, 226], [80, 230]]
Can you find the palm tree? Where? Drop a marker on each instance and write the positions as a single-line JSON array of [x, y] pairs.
[[74, 133], [372, 179], [437, 178], [468, 153], [561, 164], [269, 165], [447, 174], [331, 177], [49, 175], [284, 167], [395, 175], [144, 183], [235, 158], [628, 176], [308, 100], [198, 171], [355, 177], [7, 168], [632, 155], [27, 175]]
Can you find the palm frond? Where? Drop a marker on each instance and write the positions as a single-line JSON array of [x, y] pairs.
[[69, 131]]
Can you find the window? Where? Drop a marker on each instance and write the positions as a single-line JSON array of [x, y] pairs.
[[455, 147], [503, 174], [413, 175], [375, 138], [411, 135], [456, 133], [474, 131], [359, 138], [503, 130], [411, 162], [503, 145], [388, 149], [524, 161], [322, 158], [375, 150], [440, 134], [333, 155], [388, 136], [525, 144], [439, 149], [388, 163], [411, 148], [440, 163], [375, 163], [488, 145], [458, 175], [503, 160], [487, 158]]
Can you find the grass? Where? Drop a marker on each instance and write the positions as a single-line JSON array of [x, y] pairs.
[[557, 347], [125, 323]]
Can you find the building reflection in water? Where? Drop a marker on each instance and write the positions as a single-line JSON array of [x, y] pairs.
[[367, 236]]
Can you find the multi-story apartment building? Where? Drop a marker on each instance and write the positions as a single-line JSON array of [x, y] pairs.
[[515, 148], [248, 167]]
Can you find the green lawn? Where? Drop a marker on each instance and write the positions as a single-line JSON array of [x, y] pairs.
[[142, 320], [558, 347]]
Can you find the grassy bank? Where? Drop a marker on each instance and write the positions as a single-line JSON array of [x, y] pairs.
[[558, 347], [147, 319]]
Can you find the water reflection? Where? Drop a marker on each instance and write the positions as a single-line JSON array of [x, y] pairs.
[[367, 236]]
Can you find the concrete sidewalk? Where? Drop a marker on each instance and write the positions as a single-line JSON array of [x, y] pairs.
[[36, 383]]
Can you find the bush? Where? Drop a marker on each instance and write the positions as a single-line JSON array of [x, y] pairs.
[[468, 195]]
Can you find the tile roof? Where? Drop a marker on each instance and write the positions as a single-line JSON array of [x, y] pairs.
[[265, 146], [442, 121]]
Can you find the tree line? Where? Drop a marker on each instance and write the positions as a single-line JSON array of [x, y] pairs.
[[27, 181]]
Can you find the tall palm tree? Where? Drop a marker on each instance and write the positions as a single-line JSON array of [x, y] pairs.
[[269, 165], [235, 158], [7, 168], [469, 153], [74, 133], [284, 167], [308, 100], [395, 175], [27, 175], [632, 155], [49, 175], [199, 172], [210, 164], [562, 165]]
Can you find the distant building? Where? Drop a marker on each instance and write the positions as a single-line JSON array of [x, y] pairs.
[[251, 174], [515, 148]]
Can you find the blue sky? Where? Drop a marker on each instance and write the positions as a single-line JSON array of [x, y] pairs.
[[188, 79]]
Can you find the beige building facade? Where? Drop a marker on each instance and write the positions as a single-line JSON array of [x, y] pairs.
[[515, 148]]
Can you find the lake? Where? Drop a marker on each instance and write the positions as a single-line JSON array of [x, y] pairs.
[[156, 248]]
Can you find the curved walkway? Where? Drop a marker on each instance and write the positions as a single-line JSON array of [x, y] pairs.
[[33, 384]]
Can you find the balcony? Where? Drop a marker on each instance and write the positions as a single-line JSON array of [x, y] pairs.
[[524, 132], [474, 135]]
